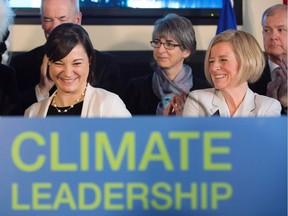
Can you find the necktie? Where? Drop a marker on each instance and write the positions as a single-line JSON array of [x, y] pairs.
[[273, 74]]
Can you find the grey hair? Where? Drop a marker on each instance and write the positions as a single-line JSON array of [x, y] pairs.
[[177, 27], [75, 4], [272, 10], [7, 18]]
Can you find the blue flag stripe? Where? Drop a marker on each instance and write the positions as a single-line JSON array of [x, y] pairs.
[[227, 18]]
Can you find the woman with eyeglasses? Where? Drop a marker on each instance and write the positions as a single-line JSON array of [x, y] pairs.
[[164, 92]]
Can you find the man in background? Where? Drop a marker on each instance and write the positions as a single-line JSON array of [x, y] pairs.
[[273, 81], [31, 66]]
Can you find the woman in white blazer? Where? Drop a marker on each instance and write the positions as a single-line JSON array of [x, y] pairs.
[[70, 64], [233, 59]]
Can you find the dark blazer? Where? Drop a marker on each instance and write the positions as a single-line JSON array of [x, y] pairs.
[[260, 86], [140, 98], [27, 66], [9, 94]]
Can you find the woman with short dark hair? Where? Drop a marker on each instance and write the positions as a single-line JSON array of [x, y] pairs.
[[164, 92], [70, 67]]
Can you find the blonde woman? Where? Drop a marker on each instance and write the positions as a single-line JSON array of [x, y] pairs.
[[233, 59]]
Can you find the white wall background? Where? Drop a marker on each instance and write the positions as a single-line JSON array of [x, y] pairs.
[[118, 38]]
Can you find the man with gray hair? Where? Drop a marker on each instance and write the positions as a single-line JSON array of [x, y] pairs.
[[273, 81]]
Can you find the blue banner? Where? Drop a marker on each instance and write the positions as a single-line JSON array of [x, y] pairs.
[[143, 166]]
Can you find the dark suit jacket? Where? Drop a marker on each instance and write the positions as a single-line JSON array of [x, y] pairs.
[[140, 98], [27, 66], [260, 86], [9, 94]]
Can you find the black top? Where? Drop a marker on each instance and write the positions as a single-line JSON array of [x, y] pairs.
[[27, 66], [140, 98], [260, 86], [76, 110]]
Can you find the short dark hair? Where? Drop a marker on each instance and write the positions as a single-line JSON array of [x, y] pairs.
[[63, 39]]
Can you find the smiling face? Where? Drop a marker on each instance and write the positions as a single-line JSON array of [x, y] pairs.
[[70, 73], [223, 66], [171, 61]]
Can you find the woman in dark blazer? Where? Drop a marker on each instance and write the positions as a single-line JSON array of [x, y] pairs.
[[164, 92]]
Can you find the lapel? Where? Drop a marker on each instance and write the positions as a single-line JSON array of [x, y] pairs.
[[248, 105], [44, 106], [87, 101], [219, 104]]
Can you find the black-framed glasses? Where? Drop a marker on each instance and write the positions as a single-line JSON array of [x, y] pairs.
[[167, 45]]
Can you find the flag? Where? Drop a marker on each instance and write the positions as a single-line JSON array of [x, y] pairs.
[[227, 18]]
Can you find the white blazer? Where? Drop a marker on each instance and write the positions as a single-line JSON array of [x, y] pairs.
[[97, 103], [209, 102]]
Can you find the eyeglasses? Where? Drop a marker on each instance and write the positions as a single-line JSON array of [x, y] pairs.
[[167, 45]]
